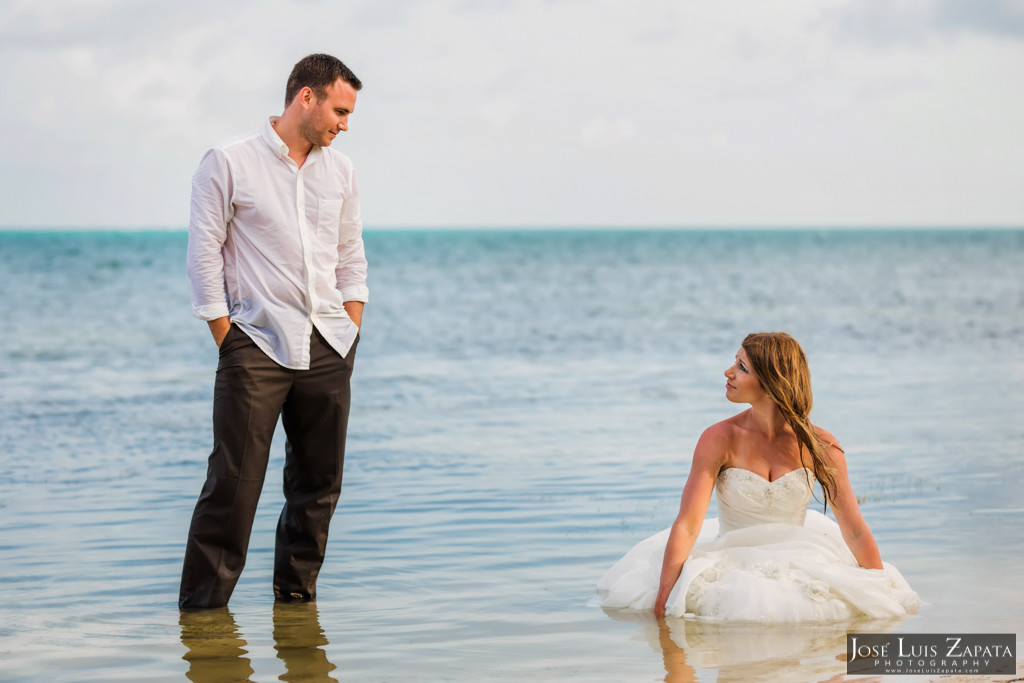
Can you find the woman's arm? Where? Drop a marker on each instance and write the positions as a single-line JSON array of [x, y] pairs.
[[708, 458], [856, 533]]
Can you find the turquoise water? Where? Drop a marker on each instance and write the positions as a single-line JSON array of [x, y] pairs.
[[525, 405]]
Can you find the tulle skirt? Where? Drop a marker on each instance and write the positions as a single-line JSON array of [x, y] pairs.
[[769, 573]]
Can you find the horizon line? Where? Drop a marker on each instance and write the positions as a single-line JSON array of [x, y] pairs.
[[558, 228]]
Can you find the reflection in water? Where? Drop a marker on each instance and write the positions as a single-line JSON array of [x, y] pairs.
[[299, 642], [676, 668], [751, 652], [216, 651]]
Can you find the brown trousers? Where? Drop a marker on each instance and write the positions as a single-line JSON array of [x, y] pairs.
[[251, 391]]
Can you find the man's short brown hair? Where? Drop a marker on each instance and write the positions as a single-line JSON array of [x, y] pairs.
[[318, 72]]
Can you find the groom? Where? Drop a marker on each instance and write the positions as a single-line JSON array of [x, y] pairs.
[[277, 269]]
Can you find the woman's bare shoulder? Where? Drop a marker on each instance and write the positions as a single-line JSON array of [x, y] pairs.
[[827, 437], [713, 448], [721, 435], [834, 455]]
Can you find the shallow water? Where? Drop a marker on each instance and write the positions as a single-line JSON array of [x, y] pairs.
[[525, 406]]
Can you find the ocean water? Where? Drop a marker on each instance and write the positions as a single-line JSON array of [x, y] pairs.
[[525, 407]]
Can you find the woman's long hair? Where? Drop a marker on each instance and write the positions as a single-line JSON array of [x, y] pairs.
[[781, 368]]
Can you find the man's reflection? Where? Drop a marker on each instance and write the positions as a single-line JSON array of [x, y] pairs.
[[216, 651], [214, 648], [299, 642]]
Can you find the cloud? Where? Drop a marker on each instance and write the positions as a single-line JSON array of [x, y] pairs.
[[885, 23], [995, 17], [477, 112], [602, 131]]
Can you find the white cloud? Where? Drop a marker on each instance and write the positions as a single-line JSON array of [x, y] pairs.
[[477, 112], [884, 23], [602, 131]]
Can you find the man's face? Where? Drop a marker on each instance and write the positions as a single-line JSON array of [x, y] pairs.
[[325, 118]]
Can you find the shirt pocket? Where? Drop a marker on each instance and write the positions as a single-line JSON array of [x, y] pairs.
[[328, 219]]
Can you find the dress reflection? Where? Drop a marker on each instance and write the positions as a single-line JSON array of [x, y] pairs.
[[749, 651], [216, 651]]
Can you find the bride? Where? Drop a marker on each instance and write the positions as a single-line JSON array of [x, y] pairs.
[[766, 558]]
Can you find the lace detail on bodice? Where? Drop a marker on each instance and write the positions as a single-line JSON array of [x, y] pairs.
[[746, 499]]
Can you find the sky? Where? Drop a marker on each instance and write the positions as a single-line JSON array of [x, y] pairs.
[[533, 113]]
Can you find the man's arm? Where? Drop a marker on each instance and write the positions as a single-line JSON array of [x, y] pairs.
[[354, 310], [351, 267], [219, 329], [207, 230]]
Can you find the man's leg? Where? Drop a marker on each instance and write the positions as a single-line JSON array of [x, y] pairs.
[[315, 418], [248, 395]]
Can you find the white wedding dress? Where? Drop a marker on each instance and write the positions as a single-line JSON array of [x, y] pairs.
[[767, 559]]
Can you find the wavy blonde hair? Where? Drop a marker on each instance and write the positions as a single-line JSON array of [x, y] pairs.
[[781, 368]]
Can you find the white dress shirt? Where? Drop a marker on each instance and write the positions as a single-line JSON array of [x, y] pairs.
[[277, 248]]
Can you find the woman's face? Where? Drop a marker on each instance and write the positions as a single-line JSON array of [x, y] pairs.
[[741, 384]]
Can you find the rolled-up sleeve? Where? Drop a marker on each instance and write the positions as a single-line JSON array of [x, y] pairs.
[[207, 230], [351, 268]]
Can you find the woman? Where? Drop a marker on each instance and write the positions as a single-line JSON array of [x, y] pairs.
[[767, 558]]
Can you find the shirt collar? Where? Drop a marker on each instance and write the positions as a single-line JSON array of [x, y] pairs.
[[273, 140], [277, 145]]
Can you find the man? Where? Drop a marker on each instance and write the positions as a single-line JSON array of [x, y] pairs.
[[277, 269]]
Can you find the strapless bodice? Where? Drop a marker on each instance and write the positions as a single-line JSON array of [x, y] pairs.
[[746, 499]]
